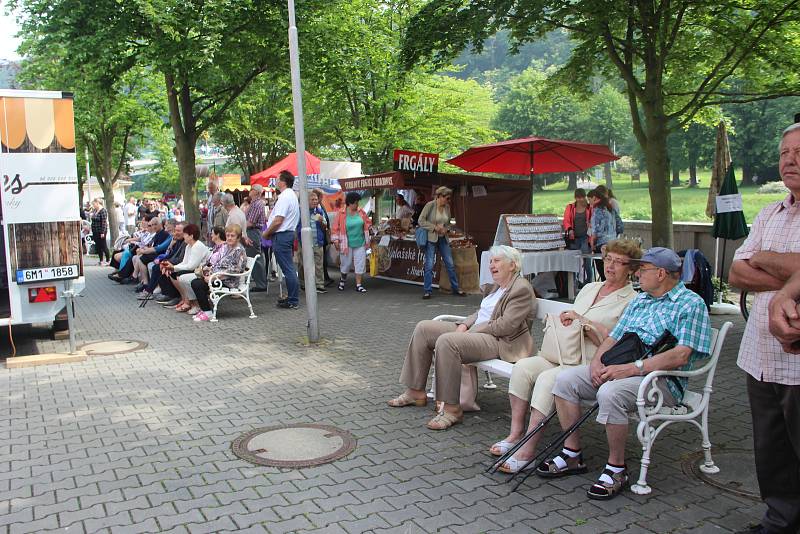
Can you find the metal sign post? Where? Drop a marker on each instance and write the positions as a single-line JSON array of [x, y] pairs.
[[69, 297], [300, 147]]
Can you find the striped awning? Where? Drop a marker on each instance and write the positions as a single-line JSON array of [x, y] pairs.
[[37, 124], [232, 182]]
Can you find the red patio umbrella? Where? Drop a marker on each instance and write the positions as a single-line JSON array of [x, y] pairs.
[[533, 155], [289, 163]]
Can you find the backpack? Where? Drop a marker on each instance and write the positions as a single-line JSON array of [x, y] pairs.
[[619, 225]]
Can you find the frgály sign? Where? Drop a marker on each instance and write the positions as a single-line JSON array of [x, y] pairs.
[[417, 162]]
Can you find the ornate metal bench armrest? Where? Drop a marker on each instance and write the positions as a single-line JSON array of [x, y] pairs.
[[451, 318]]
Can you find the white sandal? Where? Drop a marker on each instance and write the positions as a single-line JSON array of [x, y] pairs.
[[502, 447], [512, 465]]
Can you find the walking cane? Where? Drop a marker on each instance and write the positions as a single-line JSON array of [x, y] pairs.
[[553, 445], [518, 445], [662, 343]]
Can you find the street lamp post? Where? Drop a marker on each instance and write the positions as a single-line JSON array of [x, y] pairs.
[[300, 146]]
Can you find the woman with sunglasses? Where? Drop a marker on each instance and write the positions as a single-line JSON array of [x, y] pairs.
[[597, 308], [435, 218]]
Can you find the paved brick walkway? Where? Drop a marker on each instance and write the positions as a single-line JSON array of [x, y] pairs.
[[140, 442]]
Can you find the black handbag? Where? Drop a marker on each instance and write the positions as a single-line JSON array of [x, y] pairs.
[[627, 349], [567, 241], [630, 348]]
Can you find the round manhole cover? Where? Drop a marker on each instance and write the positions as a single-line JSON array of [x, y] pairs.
[[115, 346], [736, 475], [301, 445]]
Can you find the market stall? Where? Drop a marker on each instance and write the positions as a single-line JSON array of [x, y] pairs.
[[477, 204], [540, 242]]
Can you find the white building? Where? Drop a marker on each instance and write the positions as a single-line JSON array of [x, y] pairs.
[[91, 190]]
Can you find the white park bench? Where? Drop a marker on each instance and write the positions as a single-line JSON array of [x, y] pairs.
[[651, 415], [218, 291]]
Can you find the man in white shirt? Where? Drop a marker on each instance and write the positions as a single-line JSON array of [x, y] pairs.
[[235, 213], [283, 220], [130, 215], [120, 218]]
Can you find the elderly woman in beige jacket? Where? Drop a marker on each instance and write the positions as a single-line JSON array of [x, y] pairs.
[[501, 327], [597, 309]]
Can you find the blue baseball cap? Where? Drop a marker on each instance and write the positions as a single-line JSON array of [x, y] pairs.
[[662, 258]]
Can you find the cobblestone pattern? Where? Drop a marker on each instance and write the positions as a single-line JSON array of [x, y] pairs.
[[140, 442]]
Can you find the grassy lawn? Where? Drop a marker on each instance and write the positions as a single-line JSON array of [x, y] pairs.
[[688, 204]]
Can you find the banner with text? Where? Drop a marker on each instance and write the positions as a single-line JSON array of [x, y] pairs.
[[378, 181], [404, 261]]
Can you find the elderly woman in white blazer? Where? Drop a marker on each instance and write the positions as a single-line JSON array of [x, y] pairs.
[[570, 339]]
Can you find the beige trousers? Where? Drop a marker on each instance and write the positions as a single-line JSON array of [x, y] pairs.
[[533, 378], [452, 350], [318, 274]]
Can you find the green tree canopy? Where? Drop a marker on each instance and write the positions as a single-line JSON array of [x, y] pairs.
[[754, 137], [673, 57], [258, 129], [206, 53], [111, 114]]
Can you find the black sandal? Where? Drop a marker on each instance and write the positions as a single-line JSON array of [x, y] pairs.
[[360, 288], [603, 491], [549, 469]]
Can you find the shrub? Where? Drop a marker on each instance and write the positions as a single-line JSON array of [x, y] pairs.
[[627, 165], [773, 187]]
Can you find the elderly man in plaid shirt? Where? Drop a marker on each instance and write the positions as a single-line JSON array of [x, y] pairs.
[[256, 220], [664, 304], [763, 263]]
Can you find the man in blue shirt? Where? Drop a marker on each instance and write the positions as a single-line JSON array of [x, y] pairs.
[[664, 304]]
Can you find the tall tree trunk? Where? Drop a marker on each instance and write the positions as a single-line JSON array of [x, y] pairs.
[[113, 223], [81, 183], [184, 128], [747, 173], [676, 176], [572, 185], [657, 163], [188, 177], [692, 170], [607, 175]]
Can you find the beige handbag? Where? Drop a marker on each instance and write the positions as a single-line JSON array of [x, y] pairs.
[[469, 388], [468, 392], [562, 345]]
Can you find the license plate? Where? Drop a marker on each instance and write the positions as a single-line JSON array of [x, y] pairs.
[[29, 276]]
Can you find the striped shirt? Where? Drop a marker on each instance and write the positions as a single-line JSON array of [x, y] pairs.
[[682, 312], [775, 229]]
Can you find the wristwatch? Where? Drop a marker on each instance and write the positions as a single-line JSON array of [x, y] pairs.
[[639, 366]]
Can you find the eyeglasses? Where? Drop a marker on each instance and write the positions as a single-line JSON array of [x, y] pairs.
[[614, 261]]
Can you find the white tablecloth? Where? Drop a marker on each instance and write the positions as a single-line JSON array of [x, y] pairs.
[[538, 262]]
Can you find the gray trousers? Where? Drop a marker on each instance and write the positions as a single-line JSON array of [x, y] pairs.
[[452, 349], [259, 270], [617, 398]]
